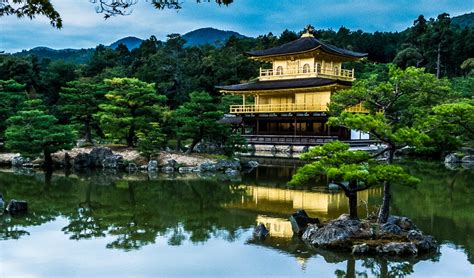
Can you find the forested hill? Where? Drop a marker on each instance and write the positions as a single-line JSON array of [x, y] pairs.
[[463, 21], [130, 42], [210, 36]]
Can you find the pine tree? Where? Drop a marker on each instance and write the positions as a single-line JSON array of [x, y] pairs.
[[33, 132], [132, 105]]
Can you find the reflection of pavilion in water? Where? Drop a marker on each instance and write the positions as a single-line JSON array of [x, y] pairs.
[[274, 205], [283, 201]]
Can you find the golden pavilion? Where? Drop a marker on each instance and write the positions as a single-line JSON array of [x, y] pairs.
[[288, 103]]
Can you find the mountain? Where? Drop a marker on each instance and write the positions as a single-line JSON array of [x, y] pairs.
[[464, 21], [129, 42], [78, 56], [208, 36]]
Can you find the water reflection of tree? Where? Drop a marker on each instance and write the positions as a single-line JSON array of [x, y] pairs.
[[132, 213], [443, 206]]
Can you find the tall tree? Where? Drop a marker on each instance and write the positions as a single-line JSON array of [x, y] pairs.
[[33, 132], [12, 96], [79, 101], [132, 105], [351, 171], [197, 118], [395, 105]]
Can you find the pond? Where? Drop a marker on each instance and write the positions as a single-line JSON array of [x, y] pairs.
[[108, 224]]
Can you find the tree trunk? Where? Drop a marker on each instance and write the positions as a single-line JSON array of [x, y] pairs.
[[193, 144], [352, 195], [178, 144], [131, 136], [438, 62], [88, 135], [48, 160], [385, 208]]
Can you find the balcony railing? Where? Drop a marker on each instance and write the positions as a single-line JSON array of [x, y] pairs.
[[288, 108], [343, 74]]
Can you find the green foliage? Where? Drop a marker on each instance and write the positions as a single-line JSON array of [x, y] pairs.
[[130, 108], [339, 164], [452, 123], [12, 96], [396, 105], [80, 100], [197, 118], [150, 140], [32, 131]]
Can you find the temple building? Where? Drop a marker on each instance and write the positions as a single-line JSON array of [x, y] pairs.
[[289, 101]]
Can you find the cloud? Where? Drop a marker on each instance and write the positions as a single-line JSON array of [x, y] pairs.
[[84, 28]]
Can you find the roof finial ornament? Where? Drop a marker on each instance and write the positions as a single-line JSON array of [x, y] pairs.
[[308, 31]]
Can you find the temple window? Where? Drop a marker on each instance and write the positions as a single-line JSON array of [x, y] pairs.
[[306, 68], [279, 70]]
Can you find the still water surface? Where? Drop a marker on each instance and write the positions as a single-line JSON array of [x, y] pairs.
[[109, 224]]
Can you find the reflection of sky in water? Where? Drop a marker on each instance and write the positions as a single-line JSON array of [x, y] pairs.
[[49, 252]]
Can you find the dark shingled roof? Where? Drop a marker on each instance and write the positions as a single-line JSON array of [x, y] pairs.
[[305, 44], [283, 84]]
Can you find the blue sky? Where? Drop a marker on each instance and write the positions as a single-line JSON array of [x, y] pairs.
[[84, 28]]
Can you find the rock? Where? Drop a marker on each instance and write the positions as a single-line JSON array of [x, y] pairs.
[[16, 206], [251, 164], [260, 232], [98, 155], [422, 242], [114, 161], [167, 169], [390, 228], [397, 248], [335, 233], [223, 165], [2, 203], [403, 222], [300, 220], [132, 167], [406, 224], [452, 158], [172, 163], [82, 160], [208, 167], [184, 170], [152, 166], [18, 161], [232, 172], [468, 159], [143, 167], [360, 249]]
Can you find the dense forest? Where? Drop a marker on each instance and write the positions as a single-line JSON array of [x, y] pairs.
[[164, 91]]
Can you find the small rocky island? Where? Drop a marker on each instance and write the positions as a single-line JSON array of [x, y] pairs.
[[399, 236]]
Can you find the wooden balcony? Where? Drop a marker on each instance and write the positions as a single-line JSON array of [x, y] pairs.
[[343, 74], [288, 108]]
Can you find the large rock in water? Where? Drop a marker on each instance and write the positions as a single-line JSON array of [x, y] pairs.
[[18, 161], [98, 155], [152, 166], [82, 160], [114, 161], [208, 167], [15, 207], [468, 159], [452, 158], [335, 233], [223, 165], [300, 221], [422, 242]]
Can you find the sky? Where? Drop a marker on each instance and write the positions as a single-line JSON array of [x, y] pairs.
[[84, 28]]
